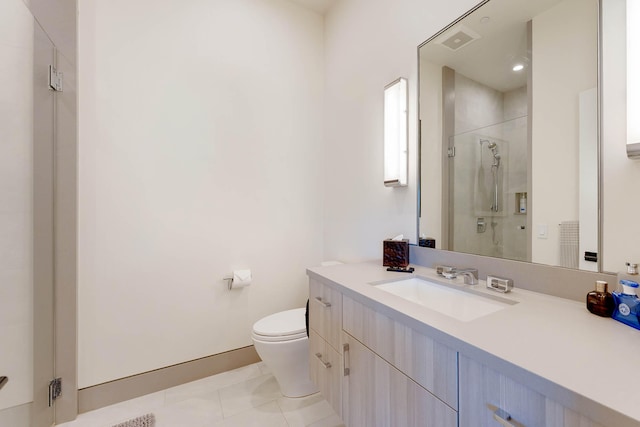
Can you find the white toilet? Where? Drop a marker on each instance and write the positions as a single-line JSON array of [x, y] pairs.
[[281, 342]]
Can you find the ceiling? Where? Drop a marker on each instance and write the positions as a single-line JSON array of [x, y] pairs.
[[502, 43], [320, 6]]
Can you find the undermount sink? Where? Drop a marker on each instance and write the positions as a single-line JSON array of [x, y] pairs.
[[454, 301]]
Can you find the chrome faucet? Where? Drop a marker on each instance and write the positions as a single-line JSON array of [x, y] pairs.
[[470, 275]]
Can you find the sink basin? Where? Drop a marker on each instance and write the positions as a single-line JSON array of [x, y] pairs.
[[453, 301]]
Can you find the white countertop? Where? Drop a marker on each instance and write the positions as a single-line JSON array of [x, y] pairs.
[[551, 344]]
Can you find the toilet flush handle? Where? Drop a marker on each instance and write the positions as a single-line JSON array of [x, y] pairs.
[[325, 304]]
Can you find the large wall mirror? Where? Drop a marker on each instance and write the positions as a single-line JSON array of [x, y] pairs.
[[509, 133]]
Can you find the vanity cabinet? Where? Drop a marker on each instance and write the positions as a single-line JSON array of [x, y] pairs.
[[487, 396], [375, 393], [325, 312], [426, 361], [375, 371], [382, 362], [326, 370], [325, 336]]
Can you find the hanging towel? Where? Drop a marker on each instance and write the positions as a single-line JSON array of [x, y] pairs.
[[569, 244]]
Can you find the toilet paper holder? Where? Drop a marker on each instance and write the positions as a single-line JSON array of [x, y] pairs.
[[239, 279], [229, 280]]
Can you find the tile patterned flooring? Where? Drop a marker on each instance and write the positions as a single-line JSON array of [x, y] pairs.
[[244, 397]]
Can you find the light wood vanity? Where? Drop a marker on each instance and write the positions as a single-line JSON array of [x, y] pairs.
[[383, 361]]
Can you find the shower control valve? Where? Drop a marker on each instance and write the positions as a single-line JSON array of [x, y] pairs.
[[481, 225]]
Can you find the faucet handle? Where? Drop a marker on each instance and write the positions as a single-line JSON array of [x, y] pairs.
[[499, 284], [445, 270]]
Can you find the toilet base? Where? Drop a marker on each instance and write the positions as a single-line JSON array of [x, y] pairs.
[[289, 363]]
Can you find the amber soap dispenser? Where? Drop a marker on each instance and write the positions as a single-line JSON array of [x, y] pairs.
[[600, 301]]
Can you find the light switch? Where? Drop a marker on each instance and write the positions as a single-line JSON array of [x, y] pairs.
[[543, 231]]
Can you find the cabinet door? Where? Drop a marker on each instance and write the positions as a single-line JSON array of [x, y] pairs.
[[325, 312], [429, 363], [486, 396], [377, 394], [325, 370]]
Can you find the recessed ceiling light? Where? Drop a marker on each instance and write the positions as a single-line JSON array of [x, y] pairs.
[[518, 67], [485, 19]]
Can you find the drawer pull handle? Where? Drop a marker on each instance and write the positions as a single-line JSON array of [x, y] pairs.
[[3, 381], [326, 365], [323, 303], [345, 359], [503, 418]]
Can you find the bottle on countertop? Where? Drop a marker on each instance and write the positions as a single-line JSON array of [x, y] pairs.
[[600, 301], [631, 273], [627, 304]]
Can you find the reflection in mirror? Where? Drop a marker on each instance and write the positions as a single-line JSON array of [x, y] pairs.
[[509, 133]]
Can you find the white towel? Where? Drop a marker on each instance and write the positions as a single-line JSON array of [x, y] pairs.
[[569, 244]]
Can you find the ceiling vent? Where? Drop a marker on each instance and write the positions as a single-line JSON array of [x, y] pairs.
[[457, 37]]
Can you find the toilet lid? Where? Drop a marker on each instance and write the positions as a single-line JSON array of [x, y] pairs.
[[290, 324]]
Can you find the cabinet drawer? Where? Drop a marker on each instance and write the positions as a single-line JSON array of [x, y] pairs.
[[427, 362], [325, 370], [484, 391], [325, 312], [377, 394]]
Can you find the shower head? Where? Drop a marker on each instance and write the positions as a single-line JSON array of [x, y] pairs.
[[496, 156]]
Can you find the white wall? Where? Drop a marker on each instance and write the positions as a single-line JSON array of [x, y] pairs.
[[200, 152], [431, 155], [170, 104], [556, 146], [368, 44], [588, 180]]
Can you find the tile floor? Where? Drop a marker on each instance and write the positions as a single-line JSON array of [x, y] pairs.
[[244, 397]]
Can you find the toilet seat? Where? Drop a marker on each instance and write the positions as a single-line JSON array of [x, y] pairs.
[[284, 326]]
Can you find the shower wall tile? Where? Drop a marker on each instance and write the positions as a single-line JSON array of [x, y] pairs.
[[515, 103], [482, 112], [477, 105]]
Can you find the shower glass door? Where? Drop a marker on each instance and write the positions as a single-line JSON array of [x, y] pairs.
[[488, 190], [27, 113]]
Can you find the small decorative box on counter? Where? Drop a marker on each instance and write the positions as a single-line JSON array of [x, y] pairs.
[[395, 253]]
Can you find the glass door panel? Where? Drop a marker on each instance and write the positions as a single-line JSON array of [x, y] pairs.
[[26, 228], [489, 191]]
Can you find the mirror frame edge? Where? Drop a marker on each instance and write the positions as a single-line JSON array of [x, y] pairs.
[[600, 141]]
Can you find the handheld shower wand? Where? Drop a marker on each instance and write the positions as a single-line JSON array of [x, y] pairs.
[[495, 205]]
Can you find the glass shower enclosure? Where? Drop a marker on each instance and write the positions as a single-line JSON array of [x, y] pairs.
[[488, 182]]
